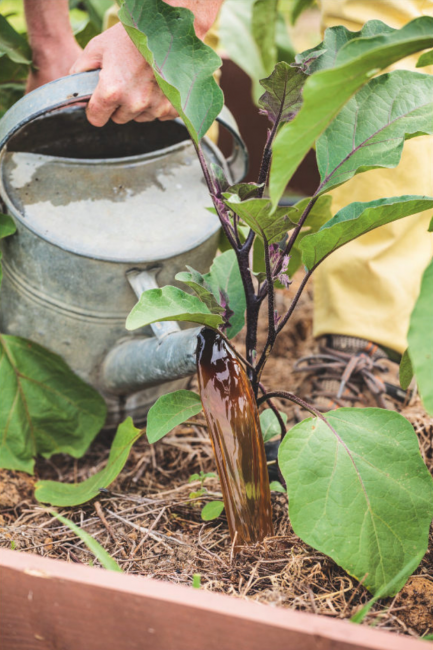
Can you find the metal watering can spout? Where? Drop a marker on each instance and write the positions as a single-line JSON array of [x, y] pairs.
[[98, 214], [141, 363]]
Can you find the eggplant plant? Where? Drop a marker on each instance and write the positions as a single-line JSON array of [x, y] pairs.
[[357, 486]]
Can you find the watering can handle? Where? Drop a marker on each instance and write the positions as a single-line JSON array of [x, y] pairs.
[[80, 87]]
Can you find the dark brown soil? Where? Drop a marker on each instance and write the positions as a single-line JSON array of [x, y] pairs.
[[150, 526]]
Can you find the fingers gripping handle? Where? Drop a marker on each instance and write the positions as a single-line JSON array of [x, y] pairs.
[[80, 87]]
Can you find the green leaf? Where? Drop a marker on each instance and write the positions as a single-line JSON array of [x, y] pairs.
[[283, 97], [97, 10], [7, 227], [243, 190], [196, 581], [275, 486], [257, 213], [263, 28], [170, 303], [212, 510], [430, 228], [420, 339], [327, 91], [405, 371], [224, 276], [269, 424], [13, 44], [355, 220], [298, 7], [11, 72], [370, 131], [401, 575], [10, 93], [182, 64], [285, 49], [169, 411], [98, 551], [359, 492], [237, 40], [319, 215], [73, 494], [425, 59], [44, 407], [85, 32], [196, 281], [324, 55]]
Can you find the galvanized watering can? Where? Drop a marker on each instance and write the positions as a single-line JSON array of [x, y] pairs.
[[103, 214]]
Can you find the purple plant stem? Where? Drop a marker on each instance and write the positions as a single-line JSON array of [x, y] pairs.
[[270, 343], [299, 225], [282, 394], [223, 217], [275, 410]]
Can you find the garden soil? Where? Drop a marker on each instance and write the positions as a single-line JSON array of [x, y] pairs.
[[148, 523]]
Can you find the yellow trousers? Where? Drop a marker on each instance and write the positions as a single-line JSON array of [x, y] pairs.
[[368, 287]]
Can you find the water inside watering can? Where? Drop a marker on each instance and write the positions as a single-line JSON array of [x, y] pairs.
[[127, 193]]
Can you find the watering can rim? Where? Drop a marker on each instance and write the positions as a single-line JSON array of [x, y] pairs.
[[69, 90], [139, 158], [78, 87]]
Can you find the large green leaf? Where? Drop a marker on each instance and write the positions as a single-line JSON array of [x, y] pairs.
[[327, 91], [318, 216], [224, 278], [95, 547], [7, 227], [420, 339], [73, 494], [169, 411], [324, 55], [283, 97], [13, 44], [183, 65], [359, 492], [356, 219], [44, 407], [370, 130], [170, 303]]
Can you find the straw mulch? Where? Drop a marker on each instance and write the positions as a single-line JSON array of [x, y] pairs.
[[148, 523]]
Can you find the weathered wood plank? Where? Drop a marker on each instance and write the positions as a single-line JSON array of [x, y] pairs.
[[52, 605]]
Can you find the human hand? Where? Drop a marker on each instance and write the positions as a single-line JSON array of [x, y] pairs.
[[127, 89]]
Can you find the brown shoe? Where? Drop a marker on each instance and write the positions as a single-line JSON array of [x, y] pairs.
[[349, 371]]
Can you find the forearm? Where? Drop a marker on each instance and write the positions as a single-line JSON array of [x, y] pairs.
[[47, 24], [205, 12]]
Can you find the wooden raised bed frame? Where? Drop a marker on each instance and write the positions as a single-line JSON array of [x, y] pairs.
[[54, 605]]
